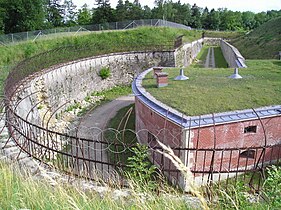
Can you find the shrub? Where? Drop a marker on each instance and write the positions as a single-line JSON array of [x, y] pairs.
[[272, 186], [141, 170], [104, 73]]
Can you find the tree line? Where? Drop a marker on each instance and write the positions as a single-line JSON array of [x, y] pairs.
[[28, 15]]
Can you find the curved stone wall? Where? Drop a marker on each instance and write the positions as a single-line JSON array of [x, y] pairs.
[[67, 83]]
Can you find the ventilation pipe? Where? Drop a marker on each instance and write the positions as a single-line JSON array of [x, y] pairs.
[[235, 75], [181, 76]]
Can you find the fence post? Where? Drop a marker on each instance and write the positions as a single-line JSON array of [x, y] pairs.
[[12, 38], [27, 36]]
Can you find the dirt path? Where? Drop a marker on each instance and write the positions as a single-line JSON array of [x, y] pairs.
[[91, 127]]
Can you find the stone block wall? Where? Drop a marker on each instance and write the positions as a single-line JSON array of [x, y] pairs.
[[187, 53], [232, 56], [56, 88]]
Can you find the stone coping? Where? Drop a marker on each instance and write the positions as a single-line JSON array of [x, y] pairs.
[[187, 122]]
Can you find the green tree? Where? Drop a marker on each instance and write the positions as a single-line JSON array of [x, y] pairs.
[[230, 20], [248, 19], [55, 13], [120, 11], [2, 17], [169, 11], [103, 13], [205, 19], [214, 20], [183, 14], [196, 17], [158, 11], [84, 16], [18, 15], [69, 13], [147, 13], [260, 18]]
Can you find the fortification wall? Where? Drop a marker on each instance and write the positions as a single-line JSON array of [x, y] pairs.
[[232, 56], [55, 89], [187, 53], [214, 147]]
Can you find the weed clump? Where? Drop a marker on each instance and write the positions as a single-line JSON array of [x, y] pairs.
[[105, 73]]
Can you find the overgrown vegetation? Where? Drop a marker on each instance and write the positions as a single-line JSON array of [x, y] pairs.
[[104, 72], [141, 171], [130, 158], [19, 191], [263, 42], [97, 98], [211, 91]]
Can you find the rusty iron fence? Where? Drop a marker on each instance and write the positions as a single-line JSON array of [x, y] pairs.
[[102, 154]]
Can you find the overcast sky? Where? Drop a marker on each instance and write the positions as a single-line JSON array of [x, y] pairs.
[[234, 5]]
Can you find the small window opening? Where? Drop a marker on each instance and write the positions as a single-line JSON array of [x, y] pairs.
[[250, 129], [248, 154]]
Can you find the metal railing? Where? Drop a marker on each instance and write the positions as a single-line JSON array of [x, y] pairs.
[[103, 155], [13, 38]]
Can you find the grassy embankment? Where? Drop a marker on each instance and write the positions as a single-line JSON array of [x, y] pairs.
[[76, 47], [211, 91], [263, 42]]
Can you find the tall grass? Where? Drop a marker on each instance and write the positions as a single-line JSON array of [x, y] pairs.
[[19, 191]]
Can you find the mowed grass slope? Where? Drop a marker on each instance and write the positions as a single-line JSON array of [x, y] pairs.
[[89, 45], [211, 91], [263, 42]]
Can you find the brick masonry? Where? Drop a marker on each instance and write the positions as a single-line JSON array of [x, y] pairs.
[[235, 132]]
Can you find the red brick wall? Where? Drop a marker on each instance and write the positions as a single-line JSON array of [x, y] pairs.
[[232, 136], [227, 138], [166, 131]]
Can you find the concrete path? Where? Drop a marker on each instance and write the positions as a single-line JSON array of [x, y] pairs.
[[210, 59], [91, 127]]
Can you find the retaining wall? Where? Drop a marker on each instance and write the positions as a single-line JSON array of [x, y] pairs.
[[55, 89], [232, 56], [185, 55]]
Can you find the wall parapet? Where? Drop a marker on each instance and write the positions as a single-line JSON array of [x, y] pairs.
[[188, 122], [232, 55], [187, 53]]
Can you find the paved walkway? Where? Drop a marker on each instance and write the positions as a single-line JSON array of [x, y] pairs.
[[91, 127], [210, 59]]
